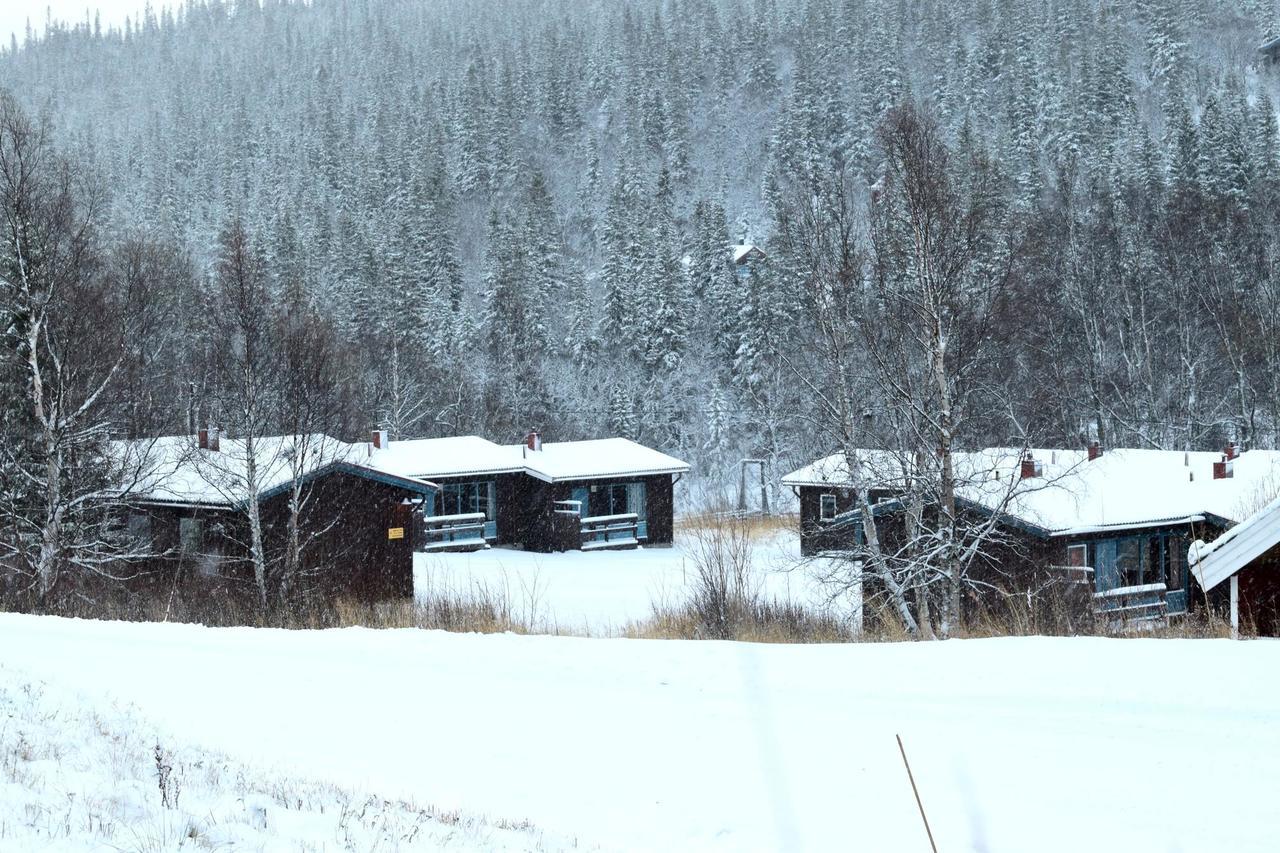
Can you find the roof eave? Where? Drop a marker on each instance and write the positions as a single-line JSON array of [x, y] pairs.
[[651, 472]]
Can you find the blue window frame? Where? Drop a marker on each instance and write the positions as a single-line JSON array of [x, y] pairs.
[[461, 498], [620, 498], [1144, 559]]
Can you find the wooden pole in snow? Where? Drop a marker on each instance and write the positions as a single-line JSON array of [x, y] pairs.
[[912, 779], [1235, 607]]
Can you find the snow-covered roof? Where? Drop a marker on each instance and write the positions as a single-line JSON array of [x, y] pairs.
[[1214, 562], [1074, 495], [175, 470], [744, 250], [604, 457], [456, 456], [472, 456]]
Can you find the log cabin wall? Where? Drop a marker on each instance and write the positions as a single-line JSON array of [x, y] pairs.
[[527, 516], [817, 535], [358, 542]]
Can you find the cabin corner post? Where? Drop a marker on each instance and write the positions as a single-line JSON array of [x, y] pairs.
[[1235, 607]]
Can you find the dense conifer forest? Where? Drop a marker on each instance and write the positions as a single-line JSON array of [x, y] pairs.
[[501, 215]]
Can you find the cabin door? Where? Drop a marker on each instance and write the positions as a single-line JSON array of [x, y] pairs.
[[1106, 575], [583, 495]]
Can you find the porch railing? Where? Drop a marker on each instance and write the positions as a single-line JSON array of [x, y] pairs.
[[458, 532], [610, 531], [1074, 574], [1124, 608]]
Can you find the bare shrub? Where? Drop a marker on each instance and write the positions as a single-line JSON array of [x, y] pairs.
[[726, 601]]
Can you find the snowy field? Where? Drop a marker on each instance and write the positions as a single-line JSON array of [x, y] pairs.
[[1016, 744], [80, 775], [598, 593]]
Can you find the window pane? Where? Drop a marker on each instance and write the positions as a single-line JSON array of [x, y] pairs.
[[190, 535], [828, 508], [1175, 549], [636, 501], [1130, 560]]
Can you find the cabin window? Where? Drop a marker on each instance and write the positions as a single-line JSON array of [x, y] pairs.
[[827, 508], [1167, 555], [1175, 558], [1133, 561], [464, 498], [1078, 566], [615, 499], [140, 528], [190, 535], [618, 499]]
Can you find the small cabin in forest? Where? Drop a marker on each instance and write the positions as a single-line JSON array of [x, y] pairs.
[[540, 496], [1120, 522], [746, 256], [1270, 51], [190, 521]]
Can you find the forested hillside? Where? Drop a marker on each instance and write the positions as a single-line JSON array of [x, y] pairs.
[[506, 214]]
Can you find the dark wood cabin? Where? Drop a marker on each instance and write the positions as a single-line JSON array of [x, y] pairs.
[[1139, 567], [1240, 571], [1023, 559], [356, 527], [564, 496], [522, 511], [1270, 51]]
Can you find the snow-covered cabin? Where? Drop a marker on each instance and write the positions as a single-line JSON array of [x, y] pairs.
[[745, 256], [542, 496], [1245, 560], [1270, 50], [1123, 518], [188, 498]]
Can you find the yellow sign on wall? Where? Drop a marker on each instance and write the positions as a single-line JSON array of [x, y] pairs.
[[395, 532]]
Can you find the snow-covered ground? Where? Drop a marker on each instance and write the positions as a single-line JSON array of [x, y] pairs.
[[598, 593], [1016, 744], [79, 775]]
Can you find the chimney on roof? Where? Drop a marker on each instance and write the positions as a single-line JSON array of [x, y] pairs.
[[1231, 451], [1030, 467], [208, 438], [533, 441], [1225, 469], [1095, 450], [379, 440]]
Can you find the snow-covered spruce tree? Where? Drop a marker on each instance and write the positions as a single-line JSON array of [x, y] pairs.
[[357, 118]]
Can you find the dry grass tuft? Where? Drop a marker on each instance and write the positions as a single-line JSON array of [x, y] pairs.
[[764, 622], [756, 527]]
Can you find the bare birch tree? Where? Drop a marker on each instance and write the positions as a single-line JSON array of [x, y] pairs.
[[63, 487]]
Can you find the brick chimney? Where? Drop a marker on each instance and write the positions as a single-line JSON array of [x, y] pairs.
[[1225, 469], [1030, 467], [1095, 450], [208, 438], [379, 440], [533, 441], [1231, 451]]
